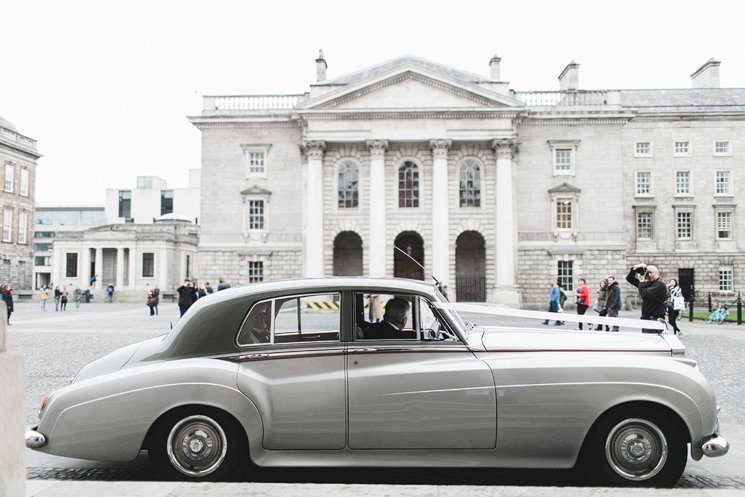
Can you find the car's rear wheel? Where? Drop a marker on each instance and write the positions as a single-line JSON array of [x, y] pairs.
[[198, 444], [631, 447]]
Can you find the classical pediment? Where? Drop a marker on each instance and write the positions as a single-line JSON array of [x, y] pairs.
[[409, 88]]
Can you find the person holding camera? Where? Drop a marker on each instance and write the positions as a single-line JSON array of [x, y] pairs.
[[652, 291]]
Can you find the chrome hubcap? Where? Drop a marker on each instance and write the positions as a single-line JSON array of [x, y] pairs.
[[197, 446], [636, 449]]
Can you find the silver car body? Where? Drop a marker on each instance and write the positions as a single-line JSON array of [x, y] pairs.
[[496, 397]]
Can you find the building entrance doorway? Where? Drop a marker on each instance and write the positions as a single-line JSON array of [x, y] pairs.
[[347, 254], [412, 244], [687, 284], [470, 267]]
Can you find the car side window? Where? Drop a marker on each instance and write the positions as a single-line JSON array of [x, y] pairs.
[[384, 317], [299, 318]]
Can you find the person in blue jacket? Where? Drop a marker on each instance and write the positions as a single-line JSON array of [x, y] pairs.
[[553, 300]]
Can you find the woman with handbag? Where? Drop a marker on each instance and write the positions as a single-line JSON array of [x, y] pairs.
[[675, 304]]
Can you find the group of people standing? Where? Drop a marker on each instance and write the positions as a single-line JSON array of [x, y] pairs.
[[61, 297], [188, 293], [658, 299]]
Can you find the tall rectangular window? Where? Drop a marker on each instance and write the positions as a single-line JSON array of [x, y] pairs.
[[684, 225], [643, 183], [9, 177], [23, 227], [148, 264], [8, 225], [644, 225], [722, 147], [682, 182], [563, 160], [256, 215], [71, 265], [24, 182], [166, 202], [724, 225], [726, 279], [564, 213], [565, 272], [255, 271], [256, 163], [643, 149], [125, 203], [722, 183]]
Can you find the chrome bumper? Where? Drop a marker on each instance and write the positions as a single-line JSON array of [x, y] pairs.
[[715, 447], [35, 439]]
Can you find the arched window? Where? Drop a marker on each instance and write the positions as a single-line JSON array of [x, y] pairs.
[[470, 183], [408, 185], [348, 184]]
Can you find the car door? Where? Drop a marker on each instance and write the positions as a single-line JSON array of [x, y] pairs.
[[292, 368], [417, 393]]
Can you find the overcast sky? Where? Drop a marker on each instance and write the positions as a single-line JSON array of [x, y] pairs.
[[105, 87]]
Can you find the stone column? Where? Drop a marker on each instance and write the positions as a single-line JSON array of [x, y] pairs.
[[85, 269], [377, 234], [506, 291], [132, 267], [58, 267], [99, 266], [119, 268], [313, 210], [440, 219], [161, 269]]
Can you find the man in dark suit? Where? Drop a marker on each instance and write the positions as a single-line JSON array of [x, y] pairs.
[[394, 320]]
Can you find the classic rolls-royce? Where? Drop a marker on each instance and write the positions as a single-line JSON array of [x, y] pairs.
[[383, 372]]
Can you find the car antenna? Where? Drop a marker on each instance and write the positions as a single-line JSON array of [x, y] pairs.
[[437, 282]]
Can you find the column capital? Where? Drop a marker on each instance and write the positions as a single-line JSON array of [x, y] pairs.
[[377, 148], [506, 148], [313, 149], [440, 148]]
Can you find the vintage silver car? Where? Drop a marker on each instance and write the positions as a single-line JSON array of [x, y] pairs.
[[299, 373]]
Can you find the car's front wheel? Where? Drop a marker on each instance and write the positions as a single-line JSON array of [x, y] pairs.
[[198, 444], [636, 448]]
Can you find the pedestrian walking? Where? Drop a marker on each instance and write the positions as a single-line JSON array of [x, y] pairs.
[[63, 300], [156, 299], [675, 304], [57, 296], [7, 294], [613, 302], [553, 300], [187, 295], [652, 291], [601, 304], [150, 301], [222, 284], [110, 293], [76, 295], [583, 299], [43, 296]]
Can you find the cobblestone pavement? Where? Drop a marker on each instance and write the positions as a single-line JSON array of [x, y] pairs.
[[58, 344]]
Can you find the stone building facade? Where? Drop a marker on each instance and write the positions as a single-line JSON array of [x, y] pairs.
[[493, 190], [18, 160]]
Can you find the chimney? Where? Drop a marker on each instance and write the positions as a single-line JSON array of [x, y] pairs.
[[320, 67], [494, 68], [569, 77], [706, 76]]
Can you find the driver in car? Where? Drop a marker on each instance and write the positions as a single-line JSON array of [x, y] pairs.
[[392, 325]]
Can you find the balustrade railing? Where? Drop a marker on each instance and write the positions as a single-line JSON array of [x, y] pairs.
[[253, 102], [563, 98], [12, 136]]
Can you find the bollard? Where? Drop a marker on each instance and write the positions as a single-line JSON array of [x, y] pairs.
[[690, 308], [12, 414], [710, 308], [739, 309]]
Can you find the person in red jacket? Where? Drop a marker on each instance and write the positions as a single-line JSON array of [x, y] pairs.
[[583, 298]]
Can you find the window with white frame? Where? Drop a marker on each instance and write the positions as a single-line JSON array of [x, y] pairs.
[[71, 265], [565, 272], [564, 214], [722, 147], [563, 160], [726, 278], [643, 149], [684, 225], [682, 148], [682, 182], [23, 227], [24, 182], [722, 183], [9, 177], [8, 225], [643, 183], [470, 183], [256, 162], [724, 225], [255, 271], [644, 225], [256, 157], [148, 264], [255, 215]]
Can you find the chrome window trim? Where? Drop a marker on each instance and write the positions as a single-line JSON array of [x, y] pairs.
[[271, 324], [290, 353]]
